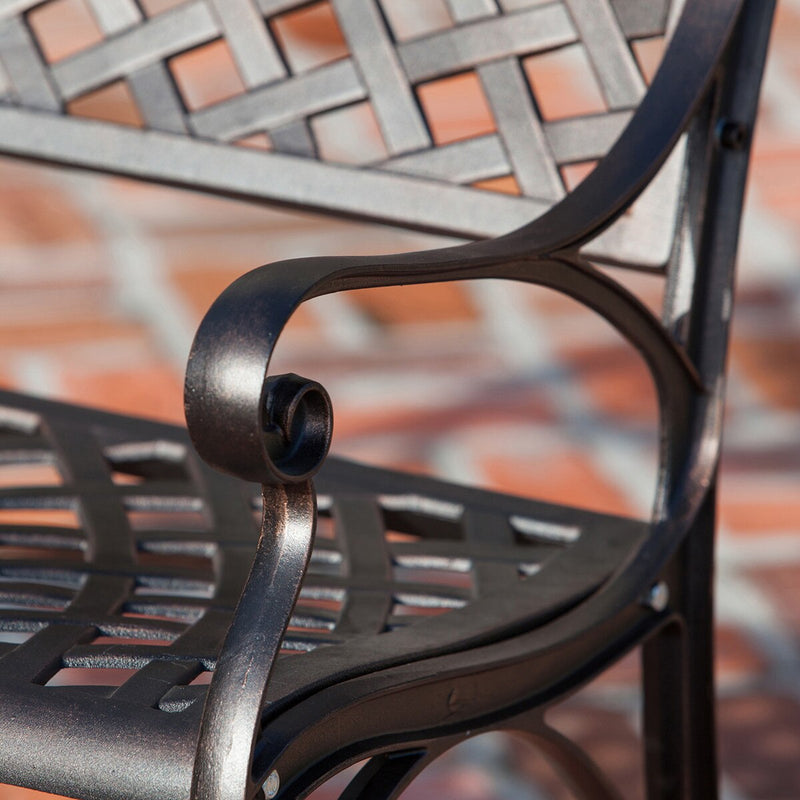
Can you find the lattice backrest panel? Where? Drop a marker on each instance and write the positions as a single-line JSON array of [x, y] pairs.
[[466, 116]]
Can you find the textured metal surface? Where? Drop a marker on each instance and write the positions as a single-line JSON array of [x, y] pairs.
[[420, 180], [122, 559], [428, 612]]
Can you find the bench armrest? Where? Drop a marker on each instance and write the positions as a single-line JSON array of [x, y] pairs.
[[233, 408], [230, 399]]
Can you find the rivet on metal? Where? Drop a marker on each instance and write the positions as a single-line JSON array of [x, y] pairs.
[[732, 135], [272, 785], [658, 596]]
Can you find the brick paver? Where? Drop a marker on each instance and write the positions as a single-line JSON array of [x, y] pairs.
[[103, 282]]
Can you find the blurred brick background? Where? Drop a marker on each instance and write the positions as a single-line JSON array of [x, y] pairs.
[[104, 280]]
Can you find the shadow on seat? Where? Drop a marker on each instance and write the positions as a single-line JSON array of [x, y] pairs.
[[170, 631]]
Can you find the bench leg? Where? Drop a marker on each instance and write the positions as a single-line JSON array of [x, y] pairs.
[[678, 675]]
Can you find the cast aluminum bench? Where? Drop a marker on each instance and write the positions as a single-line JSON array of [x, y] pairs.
[[554, 594]]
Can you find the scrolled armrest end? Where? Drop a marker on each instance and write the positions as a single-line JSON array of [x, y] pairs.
[[287, 443], [298, 426], [257, 427]]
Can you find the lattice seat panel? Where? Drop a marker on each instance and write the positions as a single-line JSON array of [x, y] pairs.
[[409, 112], [122, 557]]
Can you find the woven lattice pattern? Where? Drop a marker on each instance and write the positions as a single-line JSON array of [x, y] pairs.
[[546, 88], [122, 556], [111, 535]]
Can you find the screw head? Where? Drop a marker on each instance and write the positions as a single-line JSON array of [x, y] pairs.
[[732, 135], [272, 785], [658, 596]]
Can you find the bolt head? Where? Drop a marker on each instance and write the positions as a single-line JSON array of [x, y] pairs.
[[272, 785], [732, 135], [658, 596]]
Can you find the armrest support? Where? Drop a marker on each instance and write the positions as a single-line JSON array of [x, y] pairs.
[[227, 381]]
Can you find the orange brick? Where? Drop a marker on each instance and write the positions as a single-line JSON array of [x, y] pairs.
[[456, 108], [565, 478], [63, 28], [207, 75], [786, 26], [772, 365], [625, 673], [617, 381], [113, 103], [777, 175], [649, 53], [310, 36], [782, 585], [564, 83], [5, 374], [735, 658], [756, 513], [155, 391], [21, 793], [61, 332], [33, 214], [427, 424], [505, 185]]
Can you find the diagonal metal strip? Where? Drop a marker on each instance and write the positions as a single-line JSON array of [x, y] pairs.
[[295, 138], [24, 67], [611, 57], [165, 35], [158, 99], [395, 107], [467, 46], [10, 8], [639, 19], [518, 123], [253, 49], [114, 16], [464, 161], [152, 86], [521, 130], [585, 138], [471, 10], [271, 106]]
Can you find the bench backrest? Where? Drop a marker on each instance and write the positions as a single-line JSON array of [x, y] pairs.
[[275, 138], [338, 105]]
